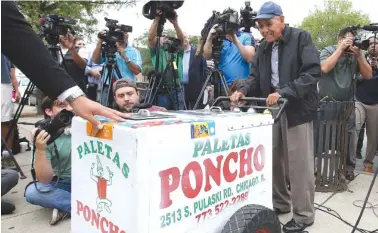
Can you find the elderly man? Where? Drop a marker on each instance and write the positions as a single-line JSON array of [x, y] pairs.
[[287, 65]]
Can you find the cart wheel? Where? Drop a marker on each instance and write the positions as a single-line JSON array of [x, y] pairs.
[[253, 219]]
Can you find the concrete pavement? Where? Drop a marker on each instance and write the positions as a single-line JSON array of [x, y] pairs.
[[32, 219]]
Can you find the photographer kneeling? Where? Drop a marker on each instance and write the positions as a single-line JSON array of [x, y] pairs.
[[127, 97], [52, 163], [236, 55]]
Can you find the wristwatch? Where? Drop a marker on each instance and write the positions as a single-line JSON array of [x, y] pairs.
[[74, 95]]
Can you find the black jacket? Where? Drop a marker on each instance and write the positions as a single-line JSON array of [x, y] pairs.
[[299, 69], [76, 73], [197, 67], [23, 47]]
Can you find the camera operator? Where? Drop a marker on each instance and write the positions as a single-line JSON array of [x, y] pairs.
[[340, 65], [127, 96], [367, 106], [291, 52], [128, 60], [236, 55], [52, 161], [165, 99], [44, 72], [75, 58]]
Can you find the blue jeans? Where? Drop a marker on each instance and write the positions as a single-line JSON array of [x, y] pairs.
[[169, 101], [104, 95], [58, 198]]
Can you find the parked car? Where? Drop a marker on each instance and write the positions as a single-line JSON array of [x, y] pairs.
[[22, 85]]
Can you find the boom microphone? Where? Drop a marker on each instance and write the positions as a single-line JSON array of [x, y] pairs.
[[370, 28]]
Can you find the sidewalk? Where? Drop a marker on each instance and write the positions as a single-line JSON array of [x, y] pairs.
[[32, 219]]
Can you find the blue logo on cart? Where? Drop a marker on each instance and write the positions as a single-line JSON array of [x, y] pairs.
[[202, 129]]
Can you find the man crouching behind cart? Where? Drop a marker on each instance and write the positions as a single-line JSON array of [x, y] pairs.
[[287, 65], [127, 97]]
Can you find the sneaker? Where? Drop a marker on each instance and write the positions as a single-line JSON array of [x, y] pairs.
[[350, 175], [5, 154], [358, 155], [58, 215], [7, 208]]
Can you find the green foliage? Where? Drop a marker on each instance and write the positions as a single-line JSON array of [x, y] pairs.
[[82, 11], [147, 60], [324, 25]]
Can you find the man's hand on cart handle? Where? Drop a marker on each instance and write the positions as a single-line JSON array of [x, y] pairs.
[[235, 97], [273, 99]]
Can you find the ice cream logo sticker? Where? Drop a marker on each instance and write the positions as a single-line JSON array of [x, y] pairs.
[[103, 203], [108, 160]]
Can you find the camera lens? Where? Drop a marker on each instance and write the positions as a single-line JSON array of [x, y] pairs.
[[65, 119]]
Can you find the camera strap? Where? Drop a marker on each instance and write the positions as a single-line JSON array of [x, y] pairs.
[[59, 169]]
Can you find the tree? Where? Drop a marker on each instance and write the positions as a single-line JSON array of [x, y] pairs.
[[82, 11], [324, 25]]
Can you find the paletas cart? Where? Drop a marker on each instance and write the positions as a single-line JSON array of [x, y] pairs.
[[202, 171]]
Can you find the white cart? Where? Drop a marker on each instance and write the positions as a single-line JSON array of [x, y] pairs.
[[206, 171]]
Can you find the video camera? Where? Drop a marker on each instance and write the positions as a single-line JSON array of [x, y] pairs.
[[52, 26], [167, 7], [55, 126], [358, 42], [247, 17], [116, 31], [228, 22], [114, 34], [172, 44]]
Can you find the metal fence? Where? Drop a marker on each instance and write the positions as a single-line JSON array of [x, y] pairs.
[[331, 145]]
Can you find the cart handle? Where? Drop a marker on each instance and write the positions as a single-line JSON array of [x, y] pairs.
[[282, 102]]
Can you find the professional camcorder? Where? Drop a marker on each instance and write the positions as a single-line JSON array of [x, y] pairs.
[[167, 7], [172, 44], [115, 32], [358, 42], [52, 26], [247, 17], [228, 22], [55, 126]]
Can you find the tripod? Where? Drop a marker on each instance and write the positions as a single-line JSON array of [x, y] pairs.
[[156, 80], [55, 51], [109, 67], [216, 78], [158, 84]]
